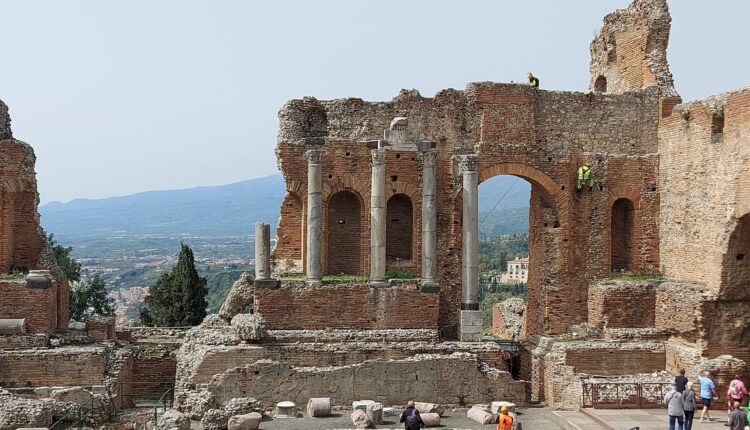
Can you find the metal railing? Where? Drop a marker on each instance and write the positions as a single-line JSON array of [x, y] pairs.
[[78, 419], [132, 393], [624, 395]]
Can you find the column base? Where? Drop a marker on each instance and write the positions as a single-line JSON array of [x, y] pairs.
[[314, 282], [428, 286], [267, 283], [379, 284], [469, 306], [470, 326]]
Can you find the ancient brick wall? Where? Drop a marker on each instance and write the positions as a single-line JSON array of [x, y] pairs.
[[541, 136], [35, 368], [630, 50], [615, 361], [152, 376], [38, 306], [614, 304], [356, 306], [345, 245]]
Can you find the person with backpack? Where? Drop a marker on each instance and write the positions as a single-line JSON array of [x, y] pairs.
[[735, 393], [675, 407], [410, 417], [504, 420]]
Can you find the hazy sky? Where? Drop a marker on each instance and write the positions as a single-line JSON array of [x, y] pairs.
[[118, 97]]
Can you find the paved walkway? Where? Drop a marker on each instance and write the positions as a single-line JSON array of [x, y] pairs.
[[651, 419]]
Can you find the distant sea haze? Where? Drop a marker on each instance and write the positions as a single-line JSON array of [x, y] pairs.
[[227, 210]]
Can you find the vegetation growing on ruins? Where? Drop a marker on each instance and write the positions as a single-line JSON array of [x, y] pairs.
[[178, 298], [69, 266], [89, 298]]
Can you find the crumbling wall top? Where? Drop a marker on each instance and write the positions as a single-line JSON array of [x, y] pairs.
[[5, 131], [630, 51]]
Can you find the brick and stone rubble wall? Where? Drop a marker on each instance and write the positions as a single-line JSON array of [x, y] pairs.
[[630, 50], [541, 136], [69, 366], [618, 304], [38, 306], [454, 379], [355, 306], [152, 375], [616, 360], [23, 244]]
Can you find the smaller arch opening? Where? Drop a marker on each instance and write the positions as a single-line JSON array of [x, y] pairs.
[[622, 230], [600, 85]]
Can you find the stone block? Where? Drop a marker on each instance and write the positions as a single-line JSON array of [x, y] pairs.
[[431, 419], [249, 327], [267, 283], [286, 409], [429, 408], [361, 420], [319, 407], [375, 413], [249, 421], [480, 415]]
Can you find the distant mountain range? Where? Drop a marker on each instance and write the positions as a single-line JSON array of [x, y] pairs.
[[228, 210]]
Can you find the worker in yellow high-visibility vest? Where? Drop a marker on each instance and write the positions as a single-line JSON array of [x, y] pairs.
[[585, 176]]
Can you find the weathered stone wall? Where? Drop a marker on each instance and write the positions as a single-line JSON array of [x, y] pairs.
[[630, 51], [457, 379], [507, 318], [621, 304], [541, 136], [355, 306], [616, 359], [59, 366]]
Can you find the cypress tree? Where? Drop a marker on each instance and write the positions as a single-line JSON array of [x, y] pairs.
[[179, 297]]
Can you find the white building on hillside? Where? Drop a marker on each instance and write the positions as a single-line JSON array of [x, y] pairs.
[[518, 272]]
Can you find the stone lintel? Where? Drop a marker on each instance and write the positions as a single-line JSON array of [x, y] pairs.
[[267, 283], [429, 287]]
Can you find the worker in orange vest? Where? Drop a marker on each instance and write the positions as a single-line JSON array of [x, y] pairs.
[[504, 421]]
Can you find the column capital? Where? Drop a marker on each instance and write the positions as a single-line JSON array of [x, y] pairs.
[[378, 156], [468, 163], [428, 157], [314, 155]]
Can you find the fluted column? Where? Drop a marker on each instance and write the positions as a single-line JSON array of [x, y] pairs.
[[314, 214], [377, 217], [470, 317], [429, 219]]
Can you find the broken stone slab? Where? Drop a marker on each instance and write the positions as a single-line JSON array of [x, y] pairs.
[[249, 421], [41, 279], [362, 404], [173, 420], [76, 395], [430, 419], [374, 412], [286, 409], [428, 408], [15, 326], [480, 415], [240, 296], [361, 420], [319, 407], [249, 327], [214, 419]]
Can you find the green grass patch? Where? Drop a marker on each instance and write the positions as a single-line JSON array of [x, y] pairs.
[[399, 274], [639, 276], [340, 279]]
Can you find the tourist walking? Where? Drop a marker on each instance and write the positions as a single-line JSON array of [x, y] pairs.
[[410, 417], [689, 404], [708, 392], [738, 418], [735, 393], [675, 408], [504, 420], [681, 381]]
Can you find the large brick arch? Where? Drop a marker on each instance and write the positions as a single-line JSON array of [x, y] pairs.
[[399, 229], [554, 192]]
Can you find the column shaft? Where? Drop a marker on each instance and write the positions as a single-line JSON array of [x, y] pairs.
[[262, 251], [470, 245], [377, 217], [314, 214], [429, 217]]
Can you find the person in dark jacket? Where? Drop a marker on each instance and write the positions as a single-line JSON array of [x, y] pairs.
[[681, 381], [410, 417]]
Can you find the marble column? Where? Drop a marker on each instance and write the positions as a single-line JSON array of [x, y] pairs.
[[429, 219], [314, 214], [377, 217], [470, 319], [262, 251]]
